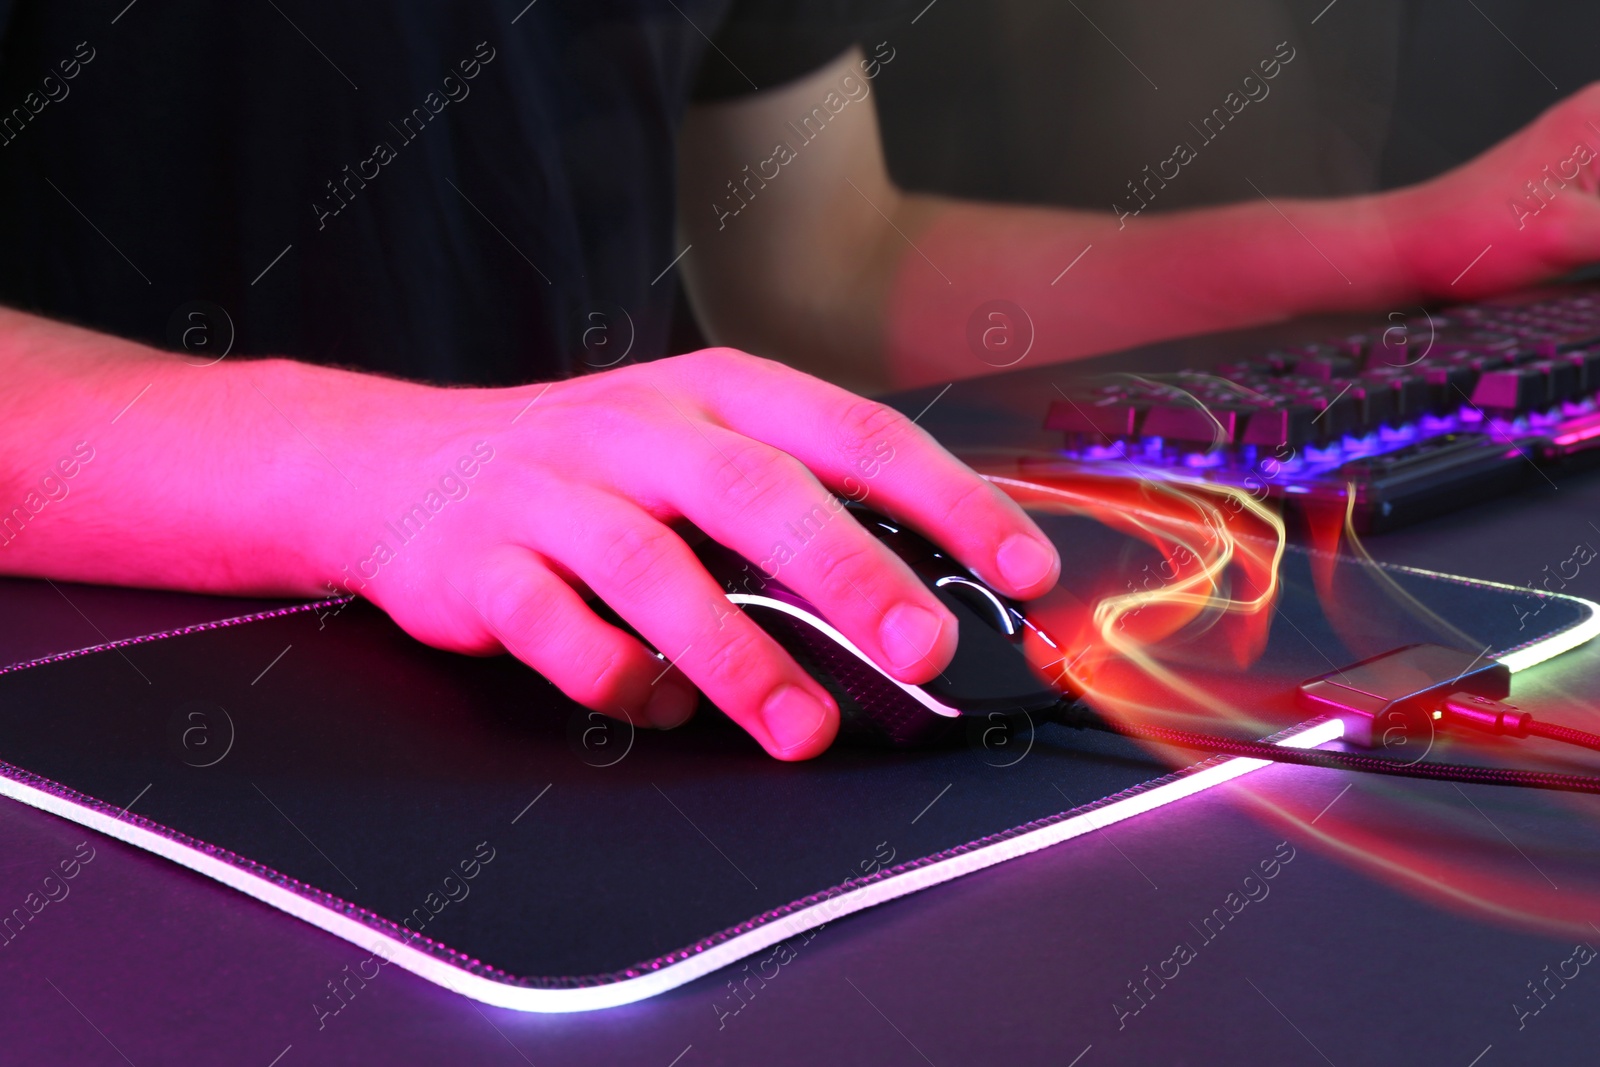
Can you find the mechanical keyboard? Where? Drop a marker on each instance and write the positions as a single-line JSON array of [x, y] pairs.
[[1419, 416]]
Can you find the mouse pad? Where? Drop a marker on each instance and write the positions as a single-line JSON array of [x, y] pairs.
[[459, 817]]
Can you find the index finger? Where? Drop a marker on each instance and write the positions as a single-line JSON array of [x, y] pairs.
[[855, 446]]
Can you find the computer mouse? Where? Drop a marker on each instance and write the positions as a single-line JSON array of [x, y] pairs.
[[988, 675]]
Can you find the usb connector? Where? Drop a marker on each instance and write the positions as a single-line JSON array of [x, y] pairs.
[[1408, 687]]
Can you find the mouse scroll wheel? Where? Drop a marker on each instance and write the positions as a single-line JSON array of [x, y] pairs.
[[982, 600]]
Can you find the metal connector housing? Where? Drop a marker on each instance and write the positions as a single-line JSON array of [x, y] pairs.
[[1402, 688]]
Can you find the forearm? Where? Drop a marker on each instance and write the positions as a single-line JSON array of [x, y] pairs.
[[123, 464], [1090, 283], [833, 269]]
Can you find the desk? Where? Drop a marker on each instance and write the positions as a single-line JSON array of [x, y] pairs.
[[150, 964]]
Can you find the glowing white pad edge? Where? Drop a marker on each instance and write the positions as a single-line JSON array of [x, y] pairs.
[[631, 990]]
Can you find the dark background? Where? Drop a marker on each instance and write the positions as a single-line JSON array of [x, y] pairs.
[[1027, 101]]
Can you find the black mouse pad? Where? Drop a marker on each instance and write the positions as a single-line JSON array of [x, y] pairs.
[[459, 817]]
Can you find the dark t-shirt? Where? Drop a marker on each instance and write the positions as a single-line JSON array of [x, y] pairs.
[[458, 191]]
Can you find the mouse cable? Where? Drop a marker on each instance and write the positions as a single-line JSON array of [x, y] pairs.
[[1491, 716], [1077, 715]]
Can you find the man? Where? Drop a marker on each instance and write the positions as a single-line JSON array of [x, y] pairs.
[[483, 196]]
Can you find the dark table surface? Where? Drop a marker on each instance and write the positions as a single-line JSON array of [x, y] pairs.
[[146, 963]]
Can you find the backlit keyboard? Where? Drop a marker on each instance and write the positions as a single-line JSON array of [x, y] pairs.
[[1415, 417]]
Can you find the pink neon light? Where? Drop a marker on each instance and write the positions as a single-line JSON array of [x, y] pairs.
[[1578, 435]]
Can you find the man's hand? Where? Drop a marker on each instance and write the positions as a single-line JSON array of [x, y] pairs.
[[586, 477], [481, 518], [1527, 207]]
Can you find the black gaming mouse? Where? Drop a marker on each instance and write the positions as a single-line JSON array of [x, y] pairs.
[[988, 674]]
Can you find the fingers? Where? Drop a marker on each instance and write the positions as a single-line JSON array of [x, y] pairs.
[[652, 579], [768, 507], [733, 448], [543, 621], [869, 451]]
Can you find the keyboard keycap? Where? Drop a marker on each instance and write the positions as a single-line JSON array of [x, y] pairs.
[[1513, 391], [1413, 396], [1325, 367], [1587, 360], [1110, 418], [1290, 425], [1191, 425]]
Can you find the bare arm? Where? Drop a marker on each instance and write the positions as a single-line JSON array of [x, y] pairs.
[[125, 465], [832, 268], [480, 519]]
